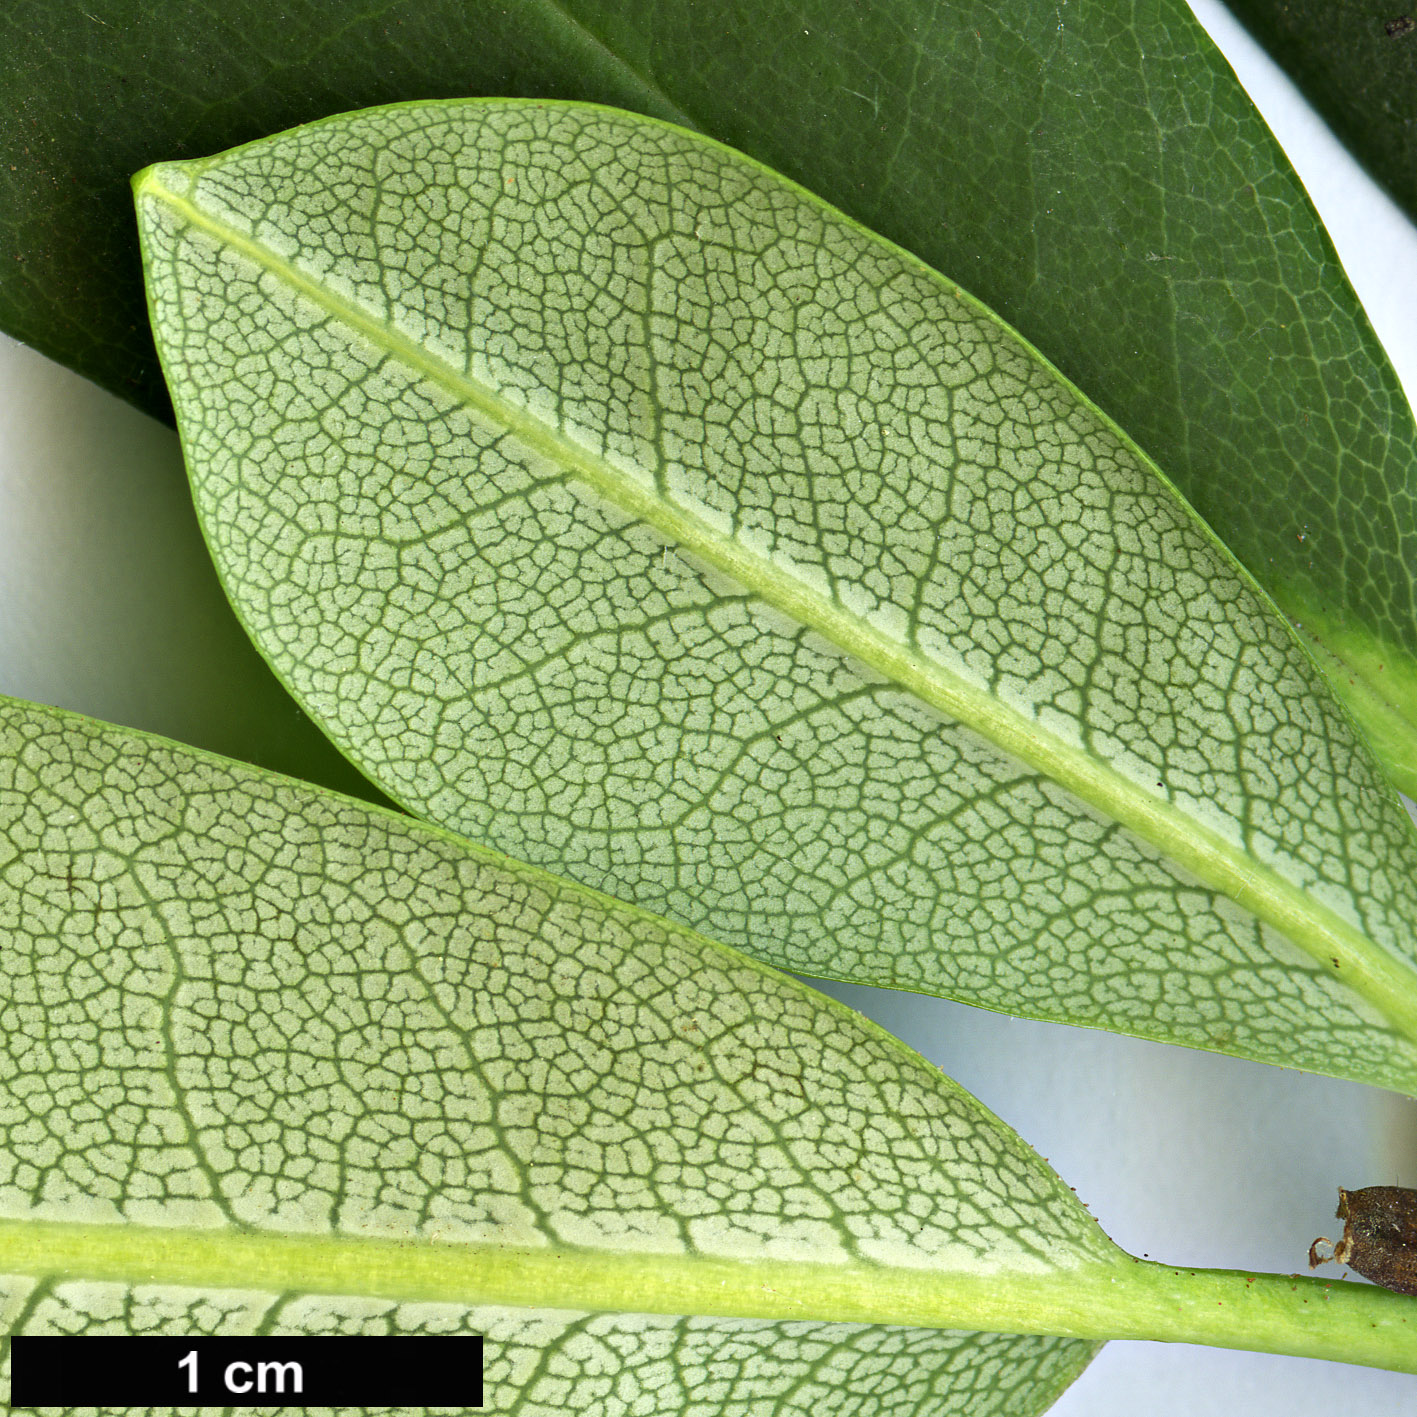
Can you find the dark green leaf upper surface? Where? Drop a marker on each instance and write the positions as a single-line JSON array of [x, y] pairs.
[[1096, 175], [1357, 64], [613, 500]]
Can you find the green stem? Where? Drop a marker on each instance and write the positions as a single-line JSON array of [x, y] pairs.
[[1272, 1313]]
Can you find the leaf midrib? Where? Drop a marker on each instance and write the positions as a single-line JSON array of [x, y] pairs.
[[1337, 946], [1129, 1298], [570, 1277]]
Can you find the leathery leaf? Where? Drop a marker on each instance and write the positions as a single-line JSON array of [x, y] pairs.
[[612, 500], [275, 1061]]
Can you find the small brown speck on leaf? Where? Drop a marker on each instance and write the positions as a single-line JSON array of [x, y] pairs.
[[1402, 25]]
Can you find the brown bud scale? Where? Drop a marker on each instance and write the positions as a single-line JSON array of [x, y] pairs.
[[1379, 1236]]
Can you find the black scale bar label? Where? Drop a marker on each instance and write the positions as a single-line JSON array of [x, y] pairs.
[[431, 1371]]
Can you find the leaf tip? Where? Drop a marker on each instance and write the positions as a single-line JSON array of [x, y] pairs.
[[159, 180]]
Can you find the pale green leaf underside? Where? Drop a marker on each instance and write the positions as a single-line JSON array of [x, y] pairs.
[[551, 1364], [612, 500], [276, 1061]]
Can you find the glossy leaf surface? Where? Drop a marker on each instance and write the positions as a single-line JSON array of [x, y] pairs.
[[612, 500], [1357, 64], [277, 1061], [1097, 176]]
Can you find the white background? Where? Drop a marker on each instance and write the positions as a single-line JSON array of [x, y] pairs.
[[1187, 1157]]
